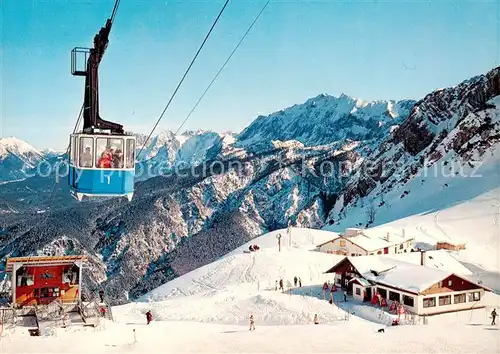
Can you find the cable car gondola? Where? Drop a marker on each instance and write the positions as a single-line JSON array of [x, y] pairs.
[[102, 155]]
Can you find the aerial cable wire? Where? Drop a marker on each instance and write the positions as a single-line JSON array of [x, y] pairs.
[[115, 9], [223, 66], [218, 73], [183, 77]]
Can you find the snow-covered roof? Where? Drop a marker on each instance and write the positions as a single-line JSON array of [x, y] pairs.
[[440, 259], [409, 276], [361, 281], [372, 241], [324, 243]]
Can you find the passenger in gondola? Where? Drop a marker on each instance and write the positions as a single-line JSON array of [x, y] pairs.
[[86, 158], [118, 159], [105, 161]]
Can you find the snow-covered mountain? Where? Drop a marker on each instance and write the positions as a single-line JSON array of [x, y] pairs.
[[449, 139], [16, 157], [325, 119], [277, 170], [50, 153], [167, 152]]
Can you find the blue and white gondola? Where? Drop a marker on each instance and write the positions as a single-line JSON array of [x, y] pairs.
[[90, 177]]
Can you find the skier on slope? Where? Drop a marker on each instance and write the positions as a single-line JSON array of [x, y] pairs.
[[149, 317], [295, 281], [493, 316], [281, 284]]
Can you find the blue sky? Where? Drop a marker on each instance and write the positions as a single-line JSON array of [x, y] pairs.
[[298, 49]]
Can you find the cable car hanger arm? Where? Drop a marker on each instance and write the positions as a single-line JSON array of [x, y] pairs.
[[92, 121]]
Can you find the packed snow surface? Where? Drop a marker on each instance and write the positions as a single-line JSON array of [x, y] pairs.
[[346, 337], [207, 311]]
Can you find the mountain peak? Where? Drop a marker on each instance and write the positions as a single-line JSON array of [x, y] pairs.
[[16, 146]]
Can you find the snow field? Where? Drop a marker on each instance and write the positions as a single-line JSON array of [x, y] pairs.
[[186, 337]]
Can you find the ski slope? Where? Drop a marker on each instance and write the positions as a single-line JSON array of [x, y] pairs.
[[227, 290], [475, 223], [207, 311]]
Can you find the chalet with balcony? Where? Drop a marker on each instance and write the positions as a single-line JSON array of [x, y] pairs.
[[420, 289]]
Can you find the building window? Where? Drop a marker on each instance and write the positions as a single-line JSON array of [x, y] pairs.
[[71, 276], [86, 153], [408, 300], [401, 246], [358, 291], [475, 296], [342, 243], [382, 292], [449, 283], [23, 278], [49, 292], [379, 252], [460, 299], [445, 300], [429, 302], [393, 296], [47, 275]]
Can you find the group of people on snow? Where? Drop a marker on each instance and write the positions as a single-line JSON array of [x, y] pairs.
[[253, 248], [296, 281]]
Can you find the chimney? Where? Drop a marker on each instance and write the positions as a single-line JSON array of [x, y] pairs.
[[422, 258], [404, 234], [387, 237]]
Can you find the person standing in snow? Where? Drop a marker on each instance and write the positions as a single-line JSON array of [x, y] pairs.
[[101, 295], [276, 285], [281, 284], [149, 317], [345, 296], [300, 282], [316, 320], [252, 323], [493, 316], [295, 281], [325, 289]]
